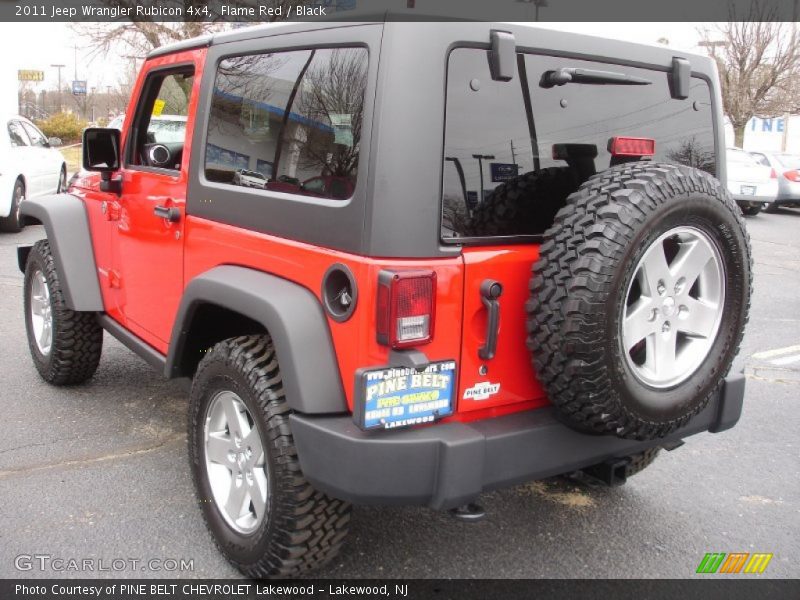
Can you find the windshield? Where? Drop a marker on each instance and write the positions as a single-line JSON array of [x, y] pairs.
[[168, 130], [789, 161], [739, 157]]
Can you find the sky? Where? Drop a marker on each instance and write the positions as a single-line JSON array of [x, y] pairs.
[[36, 46]]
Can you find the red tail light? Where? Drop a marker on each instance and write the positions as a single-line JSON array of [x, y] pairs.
[[631, 146], [406, 308], [773, 174], [792, 175]]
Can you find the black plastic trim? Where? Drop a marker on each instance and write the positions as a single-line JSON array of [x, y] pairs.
[[680, 78], [67, 226], [340, 317], [450, 464], [292, 316], [22, 256], [145, 351]]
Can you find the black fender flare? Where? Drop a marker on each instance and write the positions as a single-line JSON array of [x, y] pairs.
[[291, 314], [67, 225]]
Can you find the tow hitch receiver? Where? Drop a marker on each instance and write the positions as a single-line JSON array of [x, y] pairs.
[[610, 472]]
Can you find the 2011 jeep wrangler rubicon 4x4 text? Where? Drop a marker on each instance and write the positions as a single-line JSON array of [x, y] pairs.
[[464, 256]]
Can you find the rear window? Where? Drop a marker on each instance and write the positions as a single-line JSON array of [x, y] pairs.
[[494, 134], [789, 161], [292, 117]]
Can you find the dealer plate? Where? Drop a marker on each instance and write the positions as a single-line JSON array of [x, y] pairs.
[[748, 190], [391, 397]]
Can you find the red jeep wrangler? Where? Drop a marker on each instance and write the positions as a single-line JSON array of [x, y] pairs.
[[535, 271]]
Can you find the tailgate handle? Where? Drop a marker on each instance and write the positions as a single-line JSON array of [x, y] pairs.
[[490, 292]]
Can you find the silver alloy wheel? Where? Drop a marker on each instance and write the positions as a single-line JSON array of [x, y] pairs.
[[673, 307], [41, 309], [235, 465]]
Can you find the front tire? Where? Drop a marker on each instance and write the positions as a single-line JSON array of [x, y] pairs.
[[13, 222], [639, 299], [65, 344], [62, 180], [265, 517]]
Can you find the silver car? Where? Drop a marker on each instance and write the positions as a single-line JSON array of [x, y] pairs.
[[787, 170], [751, 184]]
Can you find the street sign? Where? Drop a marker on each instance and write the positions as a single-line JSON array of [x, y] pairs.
[[472, 199], [503, 171], [78, 88], [28, 75]]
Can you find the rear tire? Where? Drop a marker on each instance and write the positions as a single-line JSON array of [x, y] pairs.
[[751, 211], [13, 222], [602, 319], [65, 344], [282, 527]]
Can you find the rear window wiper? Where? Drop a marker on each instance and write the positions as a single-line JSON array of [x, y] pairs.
[[589, 76]]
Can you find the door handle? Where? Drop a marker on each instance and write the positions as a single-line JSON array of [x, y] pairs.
[[490, 292], [170, 213]]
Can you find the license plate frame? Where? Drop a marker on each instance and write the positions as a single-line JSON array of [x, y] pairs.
[[748, 190], [409, 397]]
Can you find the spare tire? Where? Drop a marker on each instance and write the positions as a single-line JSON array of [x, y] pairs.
[[639, 299], [525, 205]]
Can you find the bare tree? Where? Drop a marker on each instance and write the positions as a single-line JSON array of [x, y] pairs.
[[137, 38], [758, 60], [334, 94]]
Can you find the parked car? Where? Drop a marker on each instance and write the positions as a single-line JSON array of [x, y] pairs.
[[252, 179], [321, 186], [786, 167], [752, 184], [29, 167], [400, 346]]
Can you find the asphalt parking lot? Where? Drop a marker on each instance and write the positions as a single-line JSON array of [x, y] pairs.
[[100, 471]]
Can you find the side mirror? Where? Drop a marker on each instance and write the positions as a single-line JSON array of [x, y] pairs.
[[54, 141], [101, 149]]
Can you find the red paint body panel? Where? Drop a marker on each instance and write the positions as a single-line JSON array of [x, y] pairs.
[[511, 367], [131, 244], [209, 244]]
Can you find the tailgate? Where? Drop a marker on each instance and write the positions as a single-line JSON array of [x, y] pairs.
[[508, 377]]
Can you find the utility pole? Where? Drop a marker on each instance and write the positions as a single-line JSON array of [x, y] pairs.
[[60, 105], [513, 155], [480, 158]]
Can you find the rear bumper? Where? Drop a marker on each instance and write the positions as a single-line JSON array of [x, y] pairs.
[[447, 465]]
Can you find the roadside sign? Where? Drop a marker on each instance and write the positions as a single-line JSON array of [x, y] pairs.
[[28, 75], [503, 171], [472, 199], [79, 88], [158, 107]]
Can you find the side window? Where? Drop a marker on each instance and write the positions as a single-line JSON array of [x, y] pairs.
[[295, 117], [17, 135], [159, 129], [37, 137], [498, 135], [762, 160]]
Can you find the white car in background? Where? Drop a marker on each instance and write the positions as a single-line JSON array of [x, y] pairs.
[[29, 167], [787, 170], [750, 183], [247, 178]]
